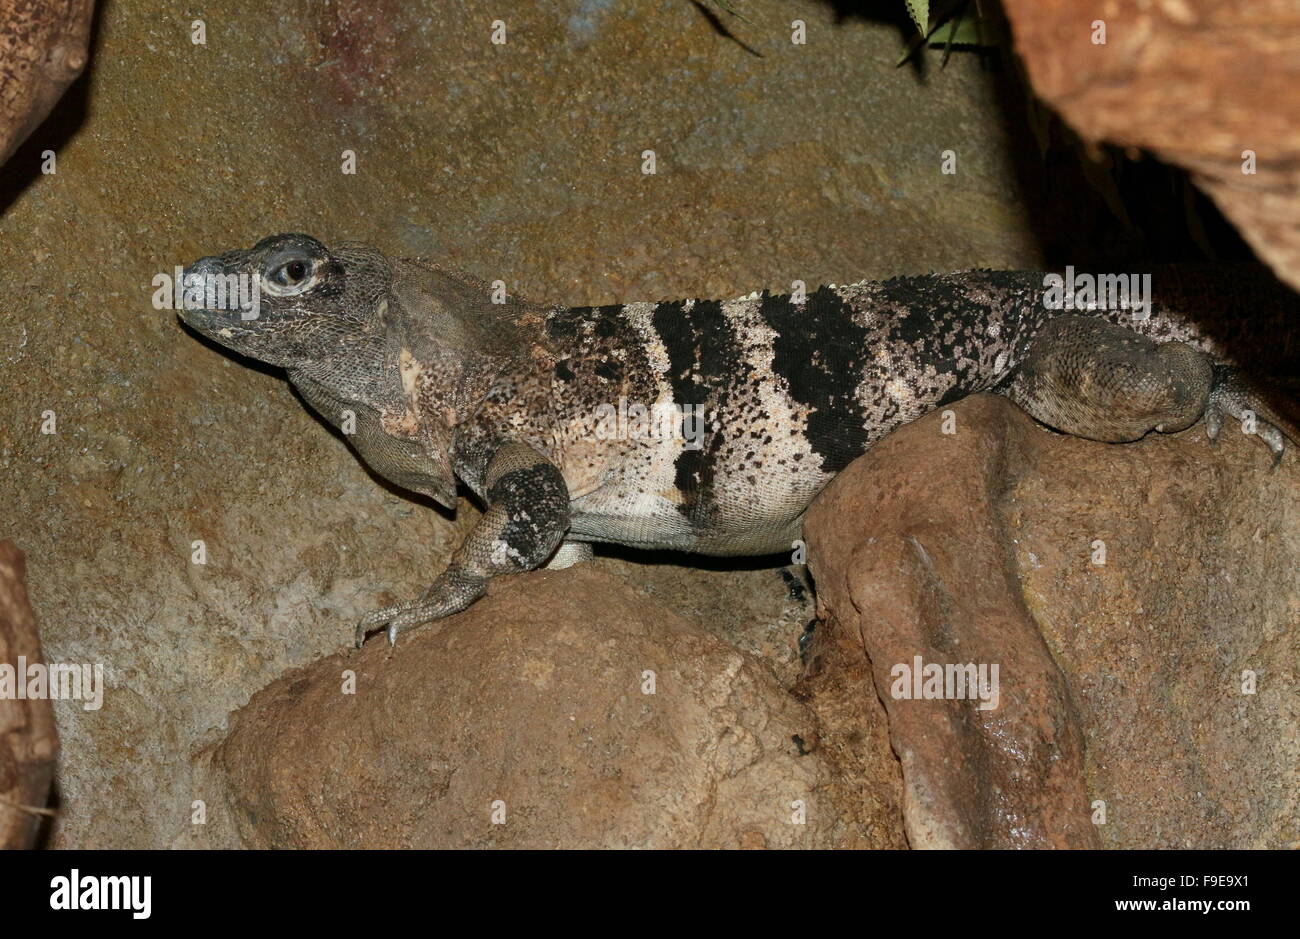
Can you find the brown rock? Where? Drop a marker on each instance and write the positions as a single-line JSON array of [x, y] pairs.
[[29, 742], [931, 576], [1196, 82], [531, 704], [983, 544], [1198, 596], [42, 50]]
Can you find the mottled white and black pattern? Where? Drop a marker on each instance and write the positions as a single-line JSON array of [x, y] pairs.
[[514, 400]]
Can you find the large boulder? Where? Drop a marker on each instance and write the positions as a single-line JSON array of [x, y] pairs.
[[562, 711], [42, 51], [1141, 603], [1212, 87]]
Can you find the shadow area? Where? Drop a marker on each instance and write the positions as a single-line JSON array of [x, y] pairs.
[[1100, 210]]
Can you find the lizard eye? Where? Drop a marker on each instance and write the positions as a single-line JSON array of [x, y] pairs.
[[290, 277]]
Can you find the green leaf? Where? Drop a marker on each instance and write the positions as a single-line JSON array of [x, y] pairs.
[[972, 32], [919, 10]]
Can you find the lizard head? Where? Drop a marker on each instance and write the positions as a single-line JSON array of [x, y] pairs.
[[288, 299], [356, 333]]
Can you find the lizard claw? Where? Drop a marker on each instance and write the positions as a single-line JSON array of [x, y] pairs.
[[1233, 397], [450, 593], [377, 619], [1213, 424]]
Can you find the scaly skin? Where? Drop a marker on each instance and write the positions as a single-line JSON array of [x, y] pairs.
[[767, 397]]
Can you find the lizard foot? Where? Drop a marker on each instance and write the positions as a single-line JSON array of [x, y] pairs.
[[452, 592], [1233, 396], [1099, 380], [390, 616]]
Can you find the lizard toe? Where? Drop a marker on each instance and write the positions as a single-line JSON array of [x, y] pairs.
[[377, 619], [1252, 407], [1251, 425]]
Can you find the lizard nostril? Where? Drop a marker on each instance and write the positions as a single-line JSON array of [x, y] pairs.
[[197, 283], [196, 278]]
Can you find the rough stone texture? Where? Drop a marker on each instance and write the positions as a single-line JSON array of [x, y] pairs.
[[931, 576], [522, 162], [29, 742], [42, 51], [1199, 584], [1196, 82], [532, 703], [866, 781]]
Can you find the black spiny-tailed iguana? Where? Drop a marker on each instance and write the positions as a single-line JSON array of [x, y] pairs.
[[702, 425]]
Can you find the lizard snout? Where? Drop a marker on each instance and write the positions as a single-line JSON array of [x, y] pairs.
[[215, 293]]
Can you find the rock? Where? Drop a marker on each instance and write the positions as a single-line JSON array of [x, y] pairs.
[[42, 51], [531, 705], [29, 742], [931, 577], [1125, 592], [1197, 83], [1199, 591]]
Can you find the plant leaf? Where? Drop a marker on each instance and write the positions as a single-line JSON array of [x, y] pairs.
[[919, 11], [974, 32]]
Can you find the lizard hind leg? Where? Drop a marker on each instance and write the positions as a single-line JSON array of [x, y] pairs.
[[1094, 379]]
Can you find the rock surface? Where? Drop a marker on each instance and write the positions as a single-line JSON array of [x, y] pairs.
[[525, 722], [929, 582], [1130, 595], [1196, 82], [29, 741], [42, 51]]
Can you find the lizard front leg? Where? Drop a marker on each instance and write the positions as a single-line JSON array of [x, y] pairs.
[[526, 518]]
